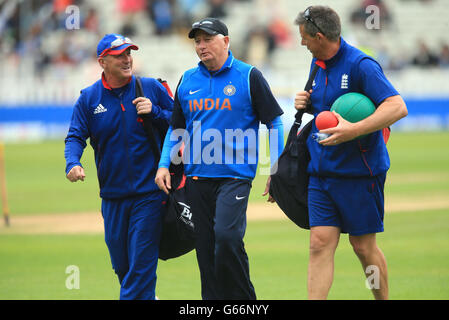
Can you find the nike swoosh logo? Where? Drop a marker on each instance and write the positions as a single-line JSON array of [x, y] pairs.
[[239, 198], [193, 92]]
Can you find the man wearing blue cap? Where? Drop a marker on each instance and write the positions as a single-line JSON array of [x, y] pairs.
[[109, 113]]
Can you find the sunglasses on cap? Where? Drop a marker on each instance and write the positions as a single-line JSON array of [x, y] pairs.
[[202, 23], [120, 41], [308, 17], [116, 43]]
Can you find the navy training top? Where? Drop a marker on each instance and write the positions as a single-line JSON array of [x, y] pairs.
[[350, 70]]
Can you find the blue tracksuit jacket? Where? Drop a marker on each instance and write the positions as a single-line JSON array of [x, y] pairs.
[[125, 163]]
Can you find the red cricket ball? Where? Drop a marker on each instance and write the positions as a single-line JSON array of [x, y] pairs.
[[325, 119]]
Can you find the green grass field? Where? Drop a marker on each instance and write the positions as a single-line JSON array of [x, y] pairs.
[[415, 243], [417, 252]]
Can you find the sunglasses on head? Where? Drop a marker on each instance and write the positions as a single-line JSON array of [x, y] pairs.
[[119, 41], [116, 43], [309, 18], [201, 23]]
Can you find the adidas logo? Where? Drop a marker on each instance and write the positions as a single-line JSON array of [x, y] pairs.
[[100, 109]]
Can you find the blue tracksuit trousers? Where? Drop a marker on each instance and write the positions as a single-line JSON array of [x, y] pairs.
[[219, 214], [132, 232]]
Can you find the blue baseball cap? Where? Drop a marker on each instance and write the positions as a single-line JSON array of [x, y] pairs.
[[114, 44]]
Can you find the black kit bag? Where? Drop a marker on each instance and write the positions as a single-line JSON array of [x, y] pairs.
[[290, 182], [178, 236]]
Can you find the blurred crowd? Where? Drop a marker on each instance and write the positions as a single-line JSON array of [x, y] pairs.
[[168, 16], [421, 56], [38, 29]]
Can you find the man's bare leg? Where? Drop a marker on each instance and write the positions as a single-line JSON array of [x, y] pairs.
[[369, 254], [323, 243]]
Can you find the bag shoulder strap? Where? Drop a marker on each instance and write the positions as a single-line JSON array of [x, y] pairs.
[[298, 116], [299, 113], [147, 125]]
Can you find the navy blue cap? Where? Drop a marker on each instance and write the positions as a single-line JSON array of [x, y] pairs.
[[212, 26]]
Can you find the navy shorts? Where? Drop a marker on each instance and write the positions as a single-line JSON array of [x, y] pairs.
[[355, 205]]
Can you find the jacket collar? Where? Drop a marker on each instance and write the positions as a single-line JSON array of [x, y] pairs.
[[343, 45], [105, 83]]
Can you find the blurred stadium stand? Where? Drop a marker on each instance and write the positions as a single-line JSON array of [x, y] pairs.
[[44, 64]]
